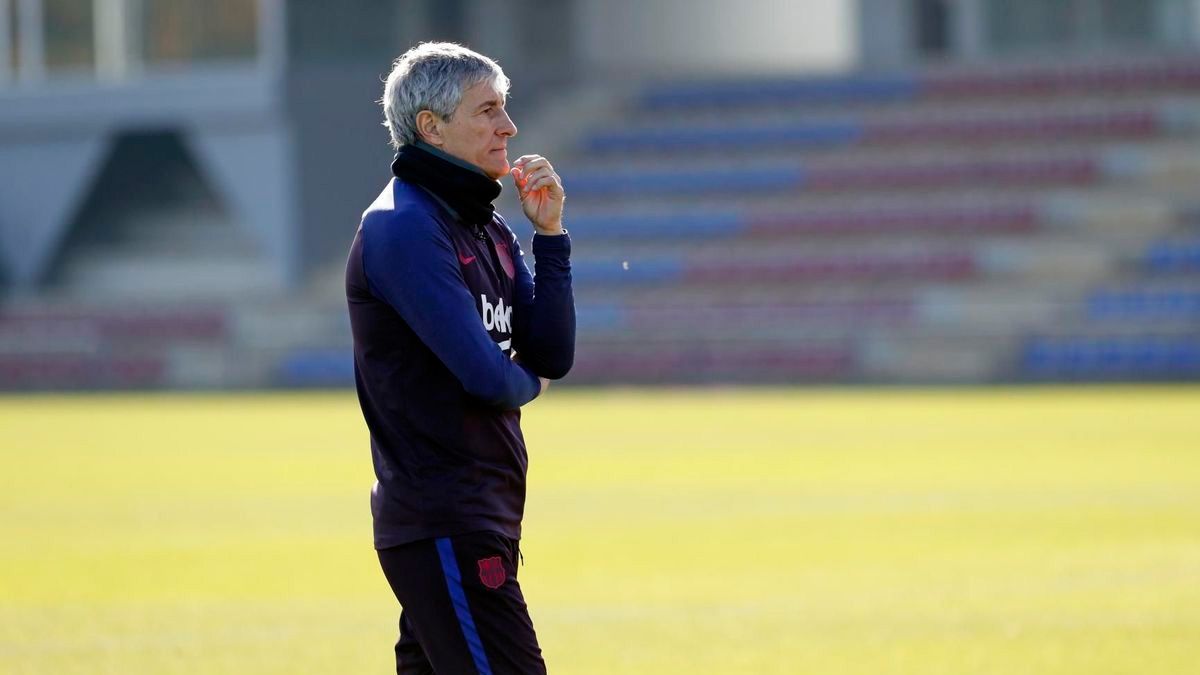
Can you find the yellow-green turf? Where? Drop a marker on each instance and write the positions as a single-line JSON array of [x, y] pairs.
[[1000, 531]]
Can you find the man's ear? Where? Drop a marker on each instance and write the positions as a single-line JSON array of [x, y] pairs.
[[429, 128]]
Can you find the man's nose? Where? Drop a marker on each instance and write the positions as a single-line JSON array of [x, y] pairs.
[[507, 128]]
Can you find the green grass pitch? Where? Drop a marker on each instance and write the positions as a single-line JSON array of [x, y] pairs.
[[839, 532]]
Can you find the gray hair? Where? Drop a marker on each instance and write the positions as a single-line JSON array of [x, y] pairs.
[[433, 76]]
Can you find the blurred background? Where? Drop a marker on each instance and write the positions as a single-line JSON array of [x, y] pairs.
[[769, 192], [880, 191]]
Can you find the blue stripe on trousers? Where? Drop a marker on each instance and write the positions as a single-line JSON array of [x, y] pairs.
[[459, 597]]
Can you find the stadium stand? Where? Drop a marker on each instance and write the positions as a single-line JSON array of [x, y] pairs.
[[964, 224]]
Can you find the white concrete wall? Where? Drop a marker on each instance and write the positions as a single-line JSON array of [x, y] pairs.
[[716, 36]]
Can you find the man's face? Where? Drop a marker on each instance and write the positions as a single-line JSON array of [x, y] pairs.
[[479, 130]]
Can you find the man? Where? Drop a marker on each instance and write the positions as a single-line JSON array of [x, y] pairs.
[[450, 340]]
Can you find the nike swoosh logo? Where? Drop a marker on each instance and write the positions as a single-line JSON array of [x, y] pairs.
[[466, 260]]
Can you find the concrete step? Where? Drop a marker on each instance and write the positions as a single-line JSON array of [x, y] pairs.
[[935, 359], [994, 307], [133, 275], [290, 324], [876, 111]]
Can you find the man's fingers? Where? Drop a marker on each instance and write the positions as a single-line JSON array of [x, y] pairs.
[[536, 179], [528, 163], [536, 174], [543, 182], [525, 159], [531, 170]]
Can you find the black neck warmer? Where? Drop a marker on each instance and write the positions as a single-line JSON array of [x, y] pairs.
[[468, 192]]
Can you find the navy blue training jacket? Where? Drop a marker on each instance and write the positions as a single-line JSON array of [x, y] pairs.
[[437, 310]]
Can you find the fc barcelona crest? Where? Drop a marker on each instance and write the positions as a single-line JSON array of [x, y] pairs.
[[506, 260], [491, 572]]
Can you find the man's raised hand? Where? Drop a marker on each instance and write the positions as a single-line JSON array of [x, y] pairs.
[[541, 193]]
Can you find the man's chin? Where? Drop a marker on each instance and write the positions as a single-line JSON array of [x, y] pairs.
[[496, 171]]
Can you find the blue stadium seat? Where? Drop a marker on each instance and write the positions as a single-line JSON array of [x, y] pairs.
[[677, 138], [753, 92], [611, 271], [591, 183], [1141, 305], [316, 368], [1115, 357], [638, 226], [1173, 257], [600, 317]]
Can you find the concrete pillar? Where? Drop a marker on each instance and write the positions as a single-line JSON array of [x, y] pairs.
[[970, 29], [1195, 23], [272, 36], [254, 172], [493, 28], [31, 40], [118, 38], [33, 224], [6, 73], [531, 39], [1177, 23], [885, 29]]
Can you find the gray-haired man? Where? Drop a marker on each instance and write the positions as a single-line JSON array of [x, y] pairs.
[[450, 340]]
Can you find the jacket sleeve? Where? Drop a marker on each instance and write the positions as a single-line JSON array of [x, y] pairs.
[[544, 307], [410, 263]]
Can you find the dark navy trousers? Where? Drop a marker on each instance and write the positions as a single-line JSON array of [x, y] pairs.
[[462, 609]]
